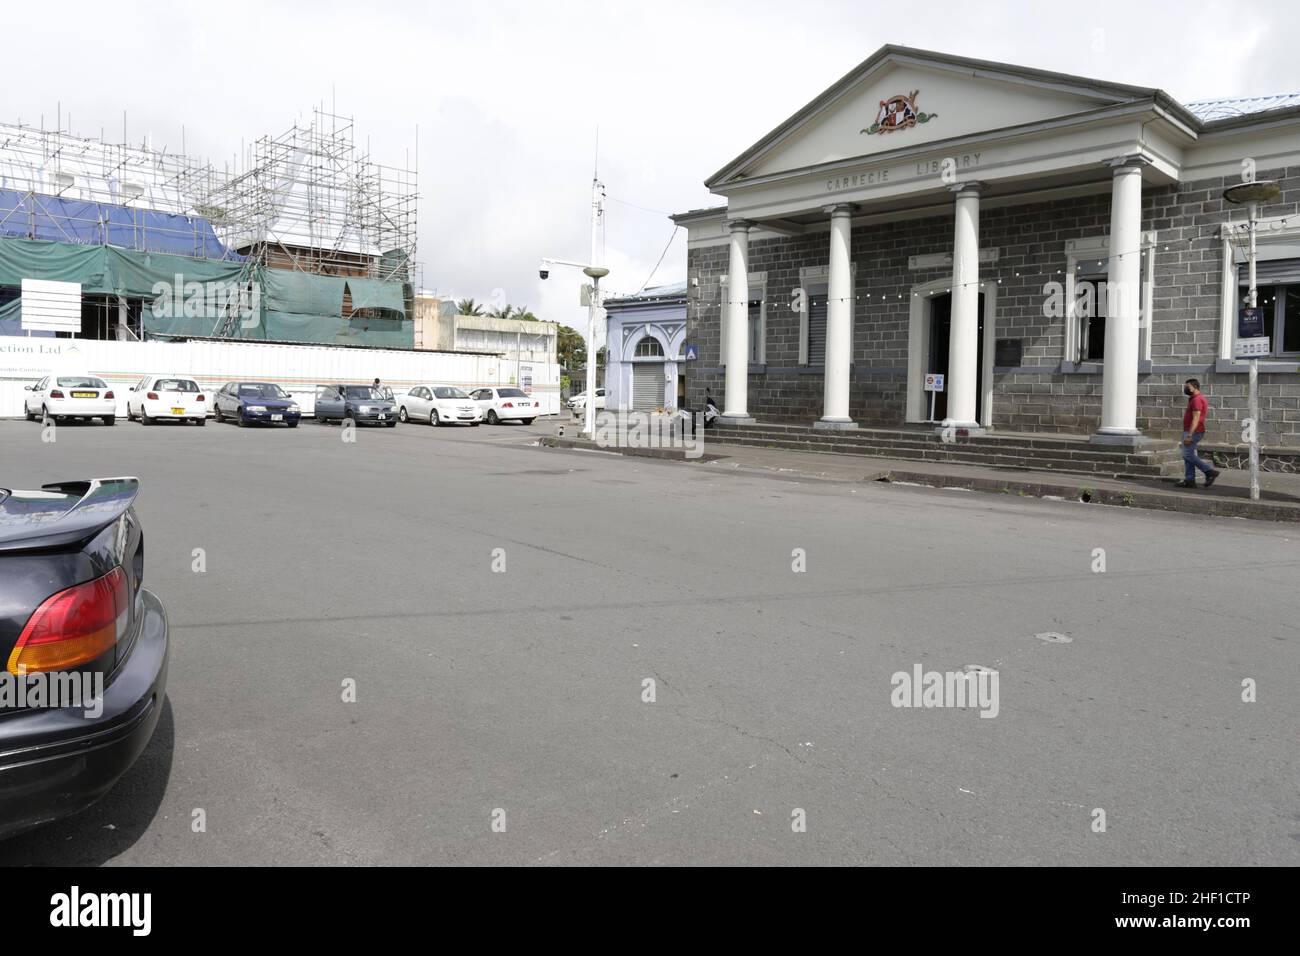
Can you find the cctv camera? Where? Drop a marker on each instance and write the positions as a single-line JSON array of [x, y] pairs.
[[543, 273]]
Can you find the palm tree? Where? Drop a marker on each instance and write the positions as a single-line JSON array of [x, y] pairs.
[[468, 307], [502, 312]]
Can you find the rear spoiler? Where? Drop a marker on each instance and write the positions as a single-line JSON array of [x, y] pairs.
[[62, 513]]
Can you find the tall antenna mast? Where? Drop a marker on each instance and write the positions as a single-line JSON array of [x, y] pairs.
[[597, 206]]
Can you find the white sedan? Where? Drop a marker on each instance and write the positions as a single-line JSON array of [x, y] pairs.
[[438, 405], [159, 397], [70, 396], [499, 404], [579, 402]]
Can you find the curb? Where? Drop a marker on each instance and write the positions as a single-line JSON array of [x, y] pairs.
[[1185, 503]]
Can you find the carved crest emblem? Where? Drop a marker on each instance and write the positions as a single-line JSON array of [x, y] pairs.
[[898, 112]]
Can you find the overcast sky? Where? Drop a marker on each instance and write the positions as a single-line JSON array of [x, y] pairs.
[[507, 96]]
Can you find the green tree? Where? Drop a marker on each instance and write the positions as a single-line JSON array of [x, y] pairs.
[[468, 307], [571, 348]]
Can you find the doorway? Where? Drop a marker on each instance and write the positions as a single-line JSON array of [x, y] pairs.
[[940, 334]]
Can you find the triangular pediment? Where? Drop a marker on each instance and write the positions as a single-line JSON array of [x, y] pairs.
[[902, 98]]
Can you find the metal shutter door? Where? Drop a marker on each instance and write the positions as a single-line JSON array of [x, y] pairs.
[[647, 386]]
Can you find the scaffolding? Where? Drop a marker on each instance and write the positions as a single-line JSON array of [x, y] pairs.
[[309, 199], [58, 186]]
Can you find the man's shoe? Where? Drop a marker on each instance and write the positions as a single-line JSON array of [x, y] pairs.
[[1210, 476], [1184, 484]]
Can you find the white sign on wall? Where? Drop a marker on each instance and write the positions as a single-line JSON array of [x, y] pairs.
[[934, 382], [51, 306], [1250, 348]]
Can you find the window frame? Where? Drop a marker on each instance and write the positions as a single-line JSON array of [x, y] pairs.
[[757, 283], [1097, 247]]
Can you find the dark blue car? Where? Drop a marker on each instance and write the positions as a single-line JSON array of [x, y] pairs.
[[250, 403]]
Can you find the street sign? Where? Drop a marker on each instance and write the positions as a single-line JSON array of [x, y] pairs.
[[1251, 348], [934, 382], [691, 352], [1250, 323]]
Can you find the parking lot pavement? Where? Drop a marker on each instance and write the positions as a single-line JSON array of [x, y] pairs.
[[506, 612]]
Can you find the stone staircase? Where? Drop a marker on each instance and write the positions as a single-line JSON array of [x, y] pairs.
[[1063, 454]]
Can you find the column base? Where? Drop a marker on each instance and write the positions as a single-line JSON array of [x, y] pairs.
[[836, 424], [726, 419], [949, 430], [1123, 437]]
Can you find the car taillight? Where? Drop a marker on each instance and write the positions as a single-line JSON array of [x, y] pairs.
[[108, 394], [506, 405], [152, 396], [200, 398], [56, 394], [74, 626]]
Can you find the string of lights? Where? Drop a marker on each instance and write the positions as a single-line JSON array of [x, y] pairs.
[[1237, 233]]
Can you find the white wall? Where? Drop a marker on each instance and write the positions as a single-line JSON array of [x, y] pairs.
[[296, 368]]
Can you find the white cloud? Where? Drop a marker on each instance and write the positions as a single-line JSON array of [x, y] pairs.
[[507, 96]]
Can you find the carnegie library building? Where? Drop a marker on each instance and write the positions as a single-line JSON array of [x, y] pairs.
[[1058, 250]]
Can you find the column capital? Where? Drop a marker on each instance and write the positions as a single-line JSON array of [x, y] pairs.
[[970, 188], [840, 209], [1133, 162], [740, 225]]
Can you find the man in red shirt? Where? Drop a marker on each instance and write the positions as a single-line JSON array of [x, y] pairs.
[[1193, 432]]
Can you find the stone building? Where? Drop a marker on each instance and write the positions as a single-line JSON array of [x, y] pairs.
[[1058, 248]]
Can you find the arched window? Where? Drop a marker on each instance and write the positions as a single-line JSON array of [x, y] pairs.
[[649, 347]]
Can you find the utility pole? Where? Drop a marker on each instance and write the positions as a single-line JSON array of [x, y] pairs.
[[1252, 193]]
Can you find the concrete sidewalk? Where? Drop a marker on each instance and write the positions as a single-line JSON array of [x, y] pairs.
[[1230, 496]]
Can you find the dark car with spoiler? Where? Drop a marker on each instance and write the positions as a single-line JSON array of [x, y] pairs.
[[83, 646]]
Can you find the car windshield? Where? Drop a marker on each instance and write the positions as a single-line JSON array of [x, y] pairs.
[[511, 393], [176, 385], [449, 393], [364, 392], [82, 383], [261, 390]]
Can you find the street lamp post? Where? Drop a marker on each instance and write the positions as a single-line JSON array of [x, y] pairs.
[[595, 274], [1252, 194]]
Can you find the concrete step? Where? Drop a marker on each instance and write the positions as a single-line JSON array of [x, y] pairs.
[[1060, 456]]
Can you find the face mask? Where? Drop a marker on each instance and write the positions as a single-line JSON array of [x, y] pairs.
[[1187, 392]]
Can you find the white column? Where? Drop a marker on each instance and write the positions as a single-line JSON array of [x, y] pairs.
[[735, 313], [1123, 286], [839, 321], [963, 340]]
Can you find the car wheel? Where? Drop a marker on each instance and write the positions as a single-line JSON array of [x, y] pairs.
[[202, 421], [475, 424], [110, 419], [31, 417], [241, 420], [492, 417], [401, 415], [45, 413], [529, 421], [292, 424], [144, 417], [434, 418], [130, 415], [217, 412]]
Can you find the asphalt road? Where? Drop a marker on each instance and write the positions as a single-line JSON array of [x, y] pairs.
[[523, 691]]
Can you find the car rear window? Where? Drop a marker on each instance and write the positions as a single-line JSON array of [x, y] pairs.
[[511, 393], [85, 382], [176, 385]]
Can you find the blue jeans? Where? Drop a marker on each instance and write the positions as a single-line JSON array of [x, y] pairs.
[[1192, 460]]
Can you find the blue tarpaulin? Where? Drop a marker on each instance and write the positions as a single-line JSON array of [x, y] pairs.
[[56, 219]]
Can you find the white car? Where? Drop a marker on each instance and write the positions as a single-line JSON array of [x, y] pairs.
[[159, 397], [438, 405], [70, 396], [506, 402], [579, 402]]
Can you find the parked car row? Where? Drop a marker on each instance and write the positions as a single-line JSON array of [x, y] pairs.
[[165, 397]]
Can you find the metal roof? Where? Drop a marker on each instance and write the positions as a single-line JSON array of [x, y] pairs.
[[1207, 110]]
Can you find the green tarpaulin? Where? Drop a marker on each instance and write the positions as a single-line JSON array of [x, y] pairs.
[[302, 292], [376, 294], [293, 306]]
